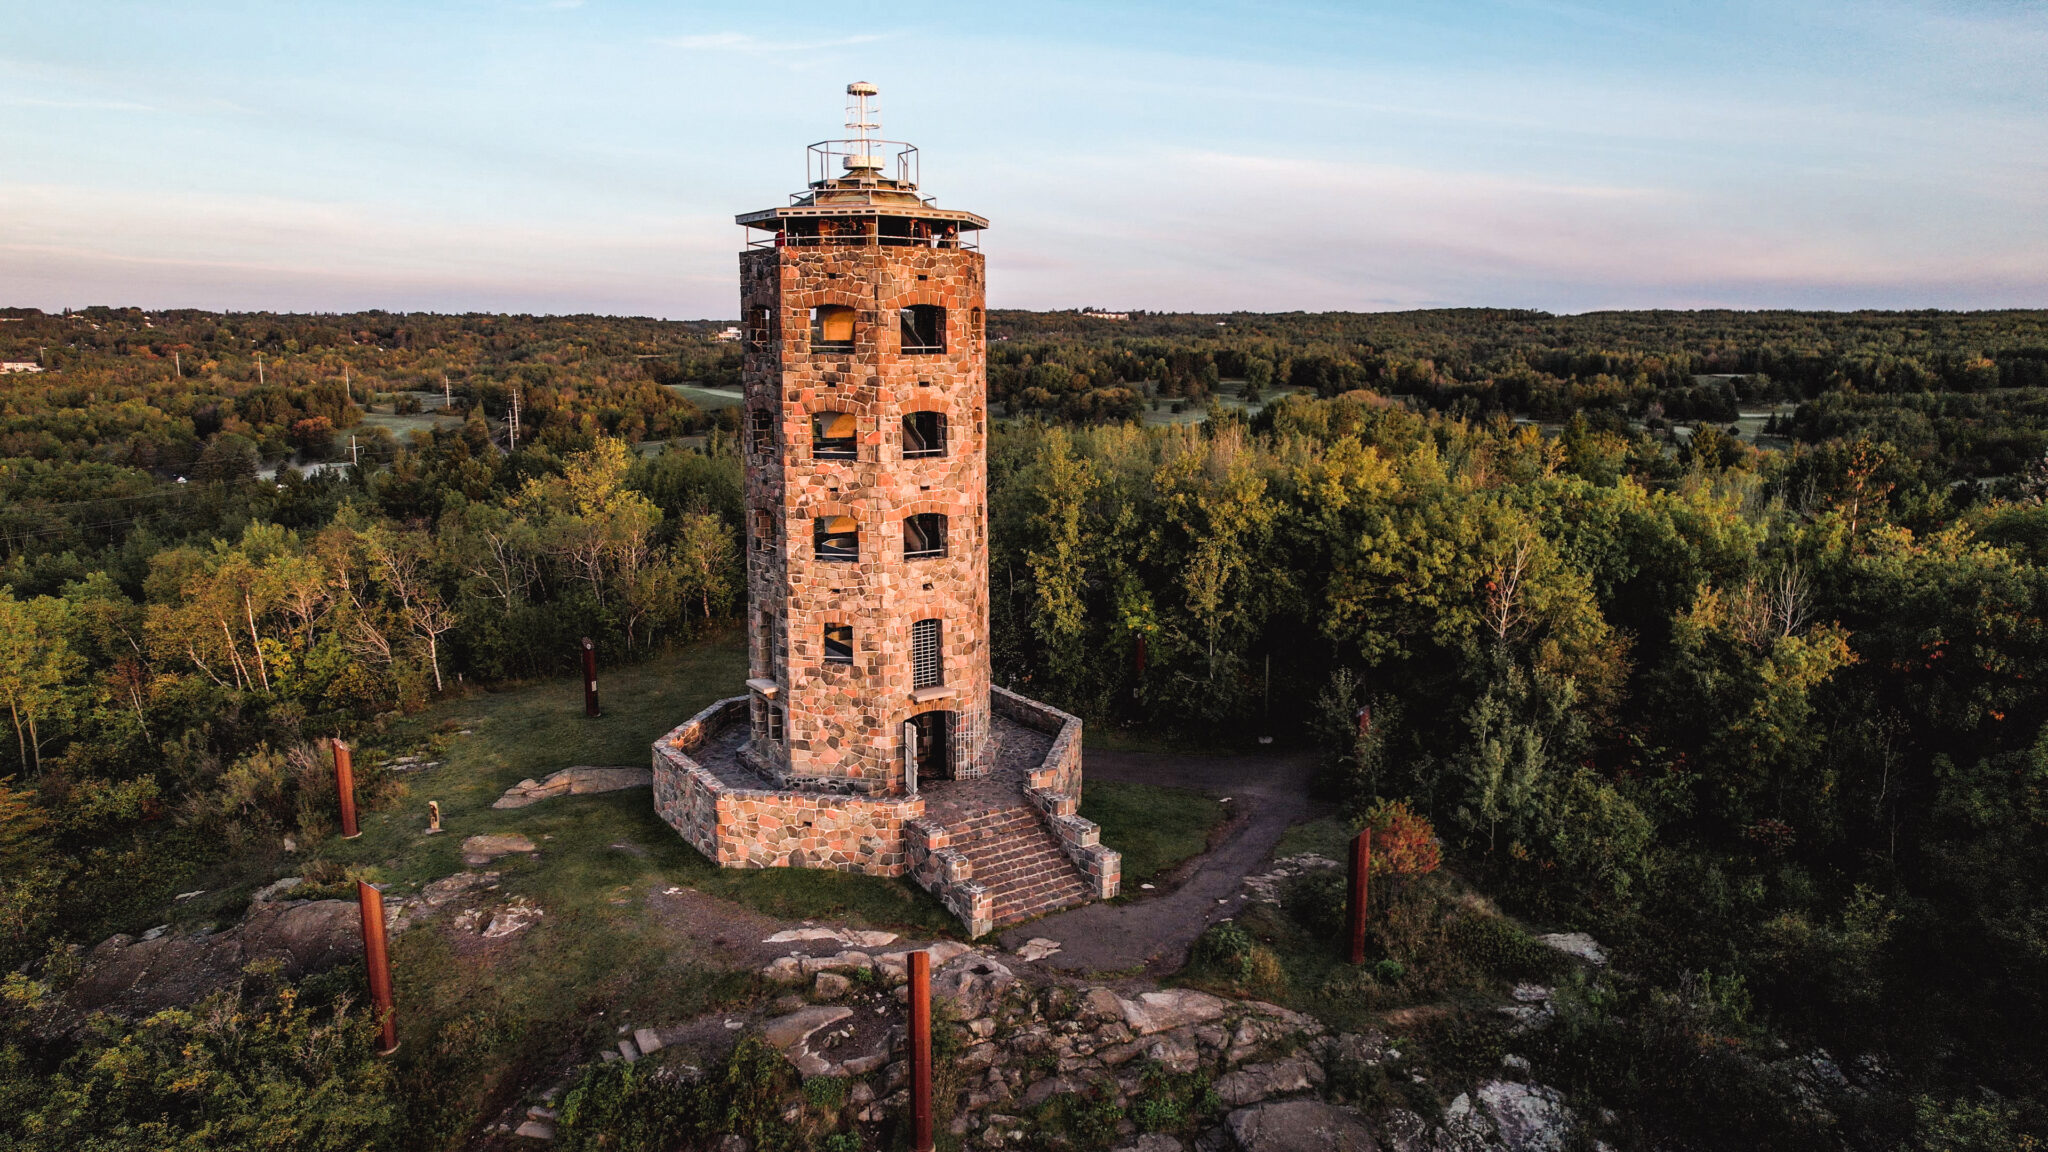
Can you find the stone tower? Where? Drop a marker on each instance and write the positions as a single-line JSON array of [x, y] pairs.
[[866, 479], [869, 738]]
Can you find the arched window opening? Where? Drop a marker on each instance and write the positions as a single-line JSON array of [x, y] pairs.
[[832, 436], [836, 539], [924, 329], [831, 328], [761, 430], [838, 643], [924, 434], [924, 536]]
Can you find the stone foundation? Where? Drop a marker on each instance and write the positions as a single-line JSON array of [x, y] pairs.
[[705, 788]]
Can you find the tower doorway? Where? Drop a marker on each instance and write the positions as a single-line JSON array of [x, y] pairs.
[[934, 738]]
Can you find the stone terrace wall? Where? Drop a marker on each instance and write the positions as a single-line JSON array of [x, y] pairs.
[[1061, 770], [764, 828], [1055, 787]]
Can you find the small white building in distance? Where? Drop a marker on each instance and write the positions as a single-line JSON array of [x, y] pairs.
[[7, 366], [729, 334], [1094, 315]]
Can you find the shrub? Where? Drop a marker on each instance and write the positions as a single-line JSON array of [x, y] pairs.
[[1319, 902], [1172, 1101], [1498, 947]]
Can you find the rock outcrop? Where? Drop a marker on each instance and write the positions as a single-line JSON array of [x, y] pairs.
[[579, 781]]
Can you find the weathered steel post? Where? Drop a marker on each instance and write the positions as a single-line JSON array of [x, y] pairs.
[[345, 785], [921, 1051], [378, 961], [590, 677], [1361, 872]]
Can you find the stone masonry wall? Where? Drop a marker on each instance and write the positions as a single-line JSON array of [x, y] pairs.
[[847, 720], [766, 828], [1055, 787]]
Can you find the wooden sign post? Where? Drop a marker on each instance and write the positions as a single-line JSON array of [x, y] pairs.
[[921, 1051], [1361, 871], [377, 959], [345, 785], [590, 678]]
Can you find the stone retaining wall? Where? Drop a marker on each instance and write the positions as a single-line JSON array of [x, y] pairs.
[[1055, 787], [943, 871], [769, 828]]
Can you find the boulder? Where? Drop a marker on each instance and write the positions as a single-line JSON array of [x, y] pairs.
[[1404, 1131], [512, 918], [1528, 1117], [488, 847], [1299, 1126], [1364, 1049], [129, 976], [845, 937], [1174, 1008], [791, 1035], [1256, 1082], [831, 986], [579, 781], [1576, 944], [1174, 1053], [276, 889], [1152, 1142], [972, 984]]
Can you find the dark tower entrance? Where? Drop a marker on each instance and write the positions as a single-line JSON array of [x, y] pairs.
[[934, 759]]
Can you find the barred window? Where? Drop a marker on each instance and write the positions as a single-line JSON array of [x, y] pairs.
[[767, 721], [924, 536], [927, 654], [838, 643]]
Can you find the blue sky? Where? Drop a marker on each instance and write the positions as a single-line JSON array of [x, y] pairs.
[[589, 155]]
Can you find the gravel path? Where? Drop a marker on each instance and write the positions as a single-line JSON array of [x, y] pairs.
[[1267, 794]]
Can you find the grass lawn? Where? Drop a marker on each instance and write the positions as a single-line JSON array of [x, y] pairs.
[[1154, 827], [1328, 836], [590, 845]]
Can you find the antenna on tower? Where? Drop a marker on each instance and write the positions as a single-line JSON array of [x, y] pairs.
[[863, 120]]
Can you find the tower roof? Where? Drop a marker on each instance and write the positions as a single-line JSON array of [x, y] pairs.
[[853, 177]]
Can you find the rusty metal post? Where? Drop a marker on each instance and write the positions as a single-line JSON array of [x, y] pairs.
[[921, 1051], [378, 961], [590, 678], [1361, 872], [345, 786]]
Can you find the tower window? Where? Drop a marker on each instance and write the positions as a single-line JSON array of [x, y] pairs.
[[831, 328], [927, 654], [924, 329], [767, 721], [838, 643], [764, 531], [924, 434], [924, 536], [832, 436], [761, 430], [836, 539], [760, 328]]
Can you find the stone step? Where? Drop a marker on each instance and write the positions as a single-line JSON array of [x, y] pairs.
[[1020, 861]]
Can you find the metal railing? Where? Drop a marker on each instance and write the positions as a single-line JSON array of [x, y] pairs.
[[966, 241]]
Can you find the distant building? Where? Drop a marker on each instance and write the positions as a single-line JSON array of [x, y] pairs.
[[1093, 315], [7, 366], [729, 334]]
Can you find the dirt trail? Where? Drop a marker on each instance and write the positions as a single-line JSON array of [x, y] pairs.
[[1152, 933]]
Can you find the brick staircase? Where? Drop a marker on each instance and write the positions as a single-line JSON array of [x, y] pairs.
[[1020, 861]]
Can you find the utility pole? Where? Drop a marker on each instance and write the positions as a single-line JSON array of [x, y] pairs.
[[178, 364], [513, 431], [348, 385], [355, 459], [259, 369], [447, 397]]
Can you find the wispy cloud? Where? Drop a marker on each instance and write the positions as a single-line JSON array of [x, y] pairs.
[[76, 105], [743, 42]]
